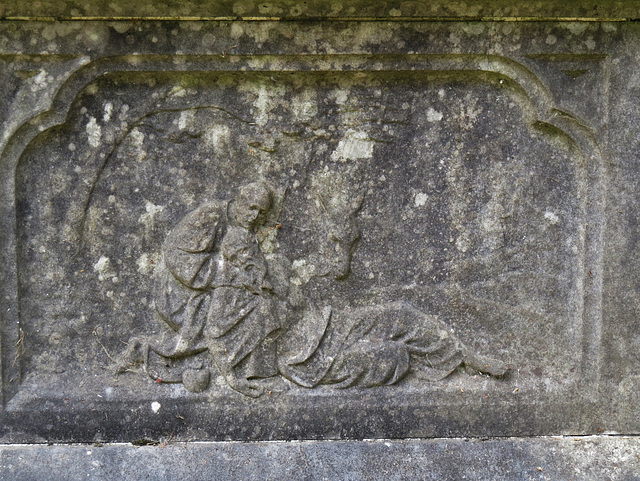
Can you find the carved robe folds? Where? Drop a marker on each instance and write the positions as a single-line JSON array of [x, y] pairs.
[[215, 294], [371, 347]]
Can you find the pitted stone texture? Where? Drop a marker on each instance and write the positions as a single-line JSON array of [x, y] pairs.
[[293, 9], [584, 458]]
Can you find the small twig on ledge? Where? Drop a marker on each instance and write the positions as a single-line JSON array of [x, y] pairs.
[[20, 349], [95, 333]]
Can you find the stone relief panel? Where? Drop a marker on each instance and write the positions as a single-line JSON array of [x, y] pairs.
[[296, 239], [406, 224]]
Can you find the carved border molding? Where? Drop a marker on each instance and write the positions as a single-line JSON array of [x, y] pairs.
[[545, 114]]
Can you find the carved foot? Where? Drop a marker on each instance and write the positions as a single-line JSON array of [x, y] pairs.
[[243, 386], [486, 365]]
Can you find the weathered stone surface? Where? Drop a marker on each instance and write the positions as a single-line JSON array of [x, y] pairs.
[[314, 230], [324, 9], [590, 457]]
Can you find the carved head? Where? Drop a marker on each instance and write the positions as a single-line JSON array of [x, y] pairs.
[[252, 205]]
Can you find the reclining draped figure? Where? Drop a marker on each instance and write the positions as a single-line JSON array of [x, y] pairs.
[[216, 296]]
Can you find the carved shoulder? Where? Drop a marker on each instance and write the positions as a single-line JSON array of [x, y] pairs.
[[197, 231], [189, 246]]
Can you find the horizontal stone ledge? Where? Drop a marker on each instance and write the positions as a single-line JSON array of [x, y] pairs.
[[439, 10], [588, 457]]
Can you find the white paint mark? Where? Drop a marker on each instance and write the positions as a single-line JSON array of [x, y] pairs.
[[155, 406], [94, 132]]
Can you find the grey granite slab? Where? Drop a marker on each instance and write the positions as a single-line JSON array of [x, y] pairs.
[[582, 458]]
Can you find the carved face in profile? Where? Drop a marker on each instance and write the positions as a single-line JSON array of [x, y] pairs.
[[252, 205]]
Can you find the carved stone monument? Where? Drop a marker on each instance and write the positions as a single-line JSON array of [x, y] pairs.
[[250, 229]]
